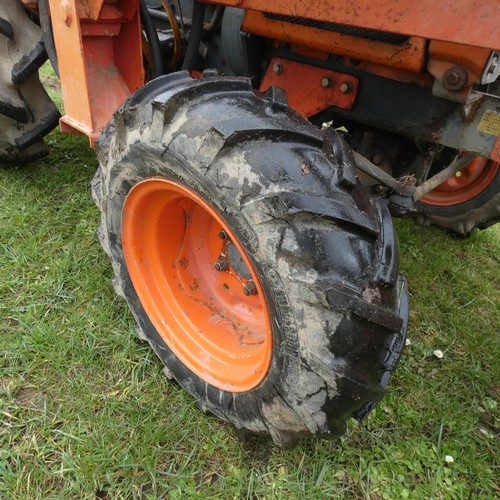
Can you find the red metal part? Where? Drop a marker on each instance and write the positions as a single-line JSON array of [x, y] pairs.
[[447, 20], [100, 60], [424, 80], [410, 56], [310, 89], [465, 185]]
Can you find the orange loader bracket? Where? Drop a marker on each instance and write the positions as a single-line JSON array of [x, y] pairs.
[[310, 89], [100, 60]]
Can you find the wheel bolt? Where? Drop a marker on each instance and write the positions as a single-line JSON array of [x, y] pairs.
[[277, 69], [221, 264], [346, 87], [223, 235], [250, 288], [326, 82]]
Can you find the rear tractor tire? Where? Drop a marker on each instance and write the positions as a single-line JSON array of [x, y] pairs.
[[256, 267], [467, 200], [27, 113]]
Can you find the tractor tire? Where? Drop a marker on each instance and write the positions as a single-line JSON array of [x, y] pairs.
[[468, 200], [255, 265], [27, 113]]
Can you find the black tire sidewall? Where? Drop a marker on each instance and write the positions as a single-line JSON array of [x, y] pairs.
[[285, 363]]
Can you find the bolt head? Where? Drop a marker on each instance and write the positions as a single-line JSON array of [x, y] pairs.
[[455, 78], [250, 289], [326, 82], [346, 87], [277, 69], [221, 265], [223, 235]]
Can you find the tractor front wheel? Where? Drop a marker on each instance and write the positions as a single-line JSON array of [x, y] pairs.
[[255, 265]]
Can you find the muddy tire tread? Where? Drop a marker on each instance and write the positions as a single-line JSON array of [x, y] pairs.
[[27, 113], [285, 411]]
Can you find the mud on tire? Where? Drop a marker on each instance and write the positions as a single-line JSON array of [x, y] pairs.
[[27, 113], [324, 253]]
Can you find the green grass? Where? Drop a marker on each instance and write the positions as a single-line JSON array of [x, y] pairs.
[[87, 413]]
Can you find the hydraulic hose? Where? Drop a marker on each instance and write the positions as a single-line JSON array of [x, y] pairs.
[[152, 36], [177, 34], [195, 35]]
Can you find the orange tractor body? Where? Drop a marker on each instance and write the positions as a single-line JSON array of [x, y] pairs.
[[99, 49]]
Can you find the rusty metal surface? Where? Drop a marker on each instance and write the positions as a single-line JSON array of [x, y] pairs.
[[412, 111], [89, 8], [470, 22], [409, 56]]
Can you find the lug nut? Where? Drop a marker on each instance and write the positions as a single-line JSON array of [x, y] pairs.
[[326, 82], [277, 69], [346, 87], [223, 235], [221, 264], [250, 288]]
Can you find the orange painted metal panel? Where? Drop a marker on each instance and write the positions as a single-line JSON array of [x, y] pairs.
[[310, 89], [100, 61], [474, 59], [72, 68], [410, 56], [470, 22]]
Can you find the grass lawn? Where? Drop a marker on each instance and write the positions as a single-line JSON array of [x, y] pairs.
[[87, 413]]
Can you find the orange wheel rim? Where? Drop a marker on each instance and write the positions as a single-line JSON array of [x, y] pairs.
[[465, 185], [197, 285]]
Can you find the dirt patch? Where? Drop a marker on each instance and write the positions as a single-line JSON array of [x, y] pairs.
[[6, 383], [29, 397], [372, 295]]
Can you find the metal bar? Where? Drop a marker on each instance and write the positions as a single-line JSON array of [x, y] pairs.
[[369, 168], [430, 184]]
